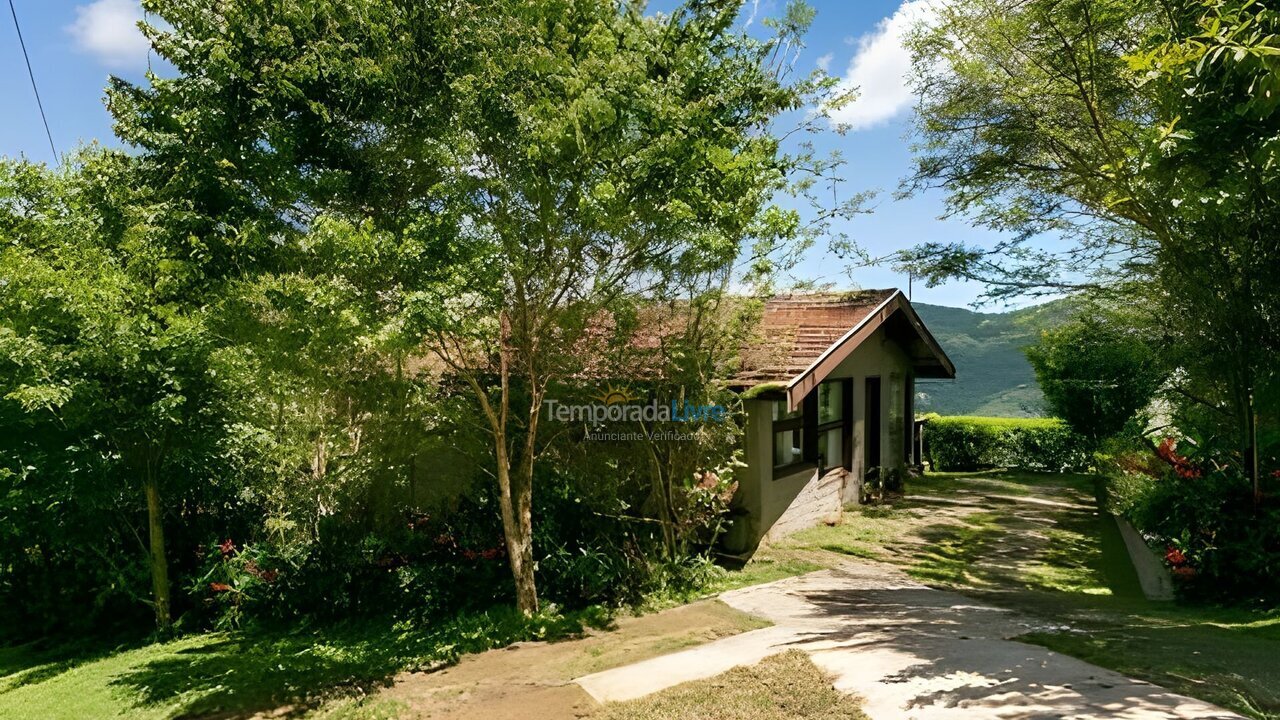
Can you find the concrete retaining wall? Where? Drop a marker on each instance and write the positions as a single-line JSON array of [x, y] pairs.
[[1154, 577], [817, 502]]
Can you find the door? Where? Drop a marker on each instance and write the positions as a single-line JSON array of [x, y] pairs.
[[871, 428]]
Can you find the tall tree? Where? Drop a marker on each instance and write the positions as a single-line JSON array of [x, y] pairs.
[[1093, 132], [602, 153], [265, 122], [525, 163], [1215, 73], [107, 381]]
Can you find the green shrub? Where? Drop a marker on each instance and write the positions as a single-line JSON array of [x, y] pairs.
[[1197, 510], [971, 443]]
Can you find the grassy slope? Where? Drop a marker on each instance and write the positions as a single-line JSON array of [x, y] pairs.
[[318, 670], [1034, 543], [328, 673], [993, 376], [333, 673]]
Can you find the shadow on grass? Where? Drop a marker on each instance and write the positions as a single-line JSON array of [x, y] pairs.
[[14, 679], [1067, 563], [37, 662], [950, 553], [1231, 669], [248, 672]]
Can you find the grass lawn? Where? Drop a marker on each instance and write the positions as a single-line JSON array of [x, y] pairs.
[[320, 672], [1036, 543], [781, 687], [341, 673]]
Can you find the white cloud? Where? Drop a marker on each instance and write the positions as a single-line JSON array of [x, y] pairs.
[[880, 68], [108, 30], [824, 62]]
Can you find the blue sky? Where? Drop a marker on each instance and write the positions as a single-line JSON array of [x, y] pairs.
[[74, 46]]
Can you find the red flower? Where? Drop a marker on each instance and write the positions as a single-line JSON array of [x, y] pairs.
[[219, 587], [1275, 474], [491, 553], [469, 554], [1174, 557], [1185, 572], [227, 547], [1167, 451]]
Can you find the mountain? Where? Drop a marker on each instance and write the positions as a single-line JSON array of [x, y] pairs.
[[993, 377]]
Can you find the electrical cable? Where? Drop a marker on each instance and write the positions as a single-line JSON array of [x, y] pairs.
[[31, 74]]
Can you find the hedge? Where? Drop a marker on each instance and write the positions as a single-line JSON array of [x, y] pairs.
[[971, 443]]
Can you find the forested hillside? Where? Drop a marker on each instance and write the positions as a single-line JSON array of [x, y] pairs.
[[993, 376]]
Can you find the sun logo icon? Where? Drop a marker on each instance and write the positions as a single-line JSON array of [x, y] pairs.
[[616, 395]]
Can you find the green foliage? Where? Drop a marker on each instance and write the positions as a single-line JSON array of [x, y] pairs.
[[340, 219], [1040, 141], [108, 386], [1198, 514], [1143, 138], [1097, 372], [970, 443]]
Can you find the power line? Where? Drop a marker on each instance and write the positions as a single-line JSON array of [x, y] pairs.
[[31, 74]]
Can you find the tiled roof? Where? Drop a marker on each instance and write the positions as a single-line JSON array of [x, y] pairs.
[[795, 330], [790, 335]]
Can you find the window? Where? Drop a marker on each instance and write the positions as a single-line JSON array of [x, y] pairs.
[[788, 435], [909, 418], [831, 424], [816, 434], [895, 415]]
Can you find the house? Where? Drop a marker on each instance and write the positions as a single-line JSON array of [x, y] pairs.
[[827, 387]]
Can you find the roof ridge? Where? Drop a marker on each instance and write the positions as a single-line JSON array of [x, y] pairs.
[[866, 295]]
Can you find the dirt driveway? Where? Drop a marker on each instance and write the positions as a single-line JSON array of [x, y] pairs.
[[1030, 556], [533, 681], [911, 652]]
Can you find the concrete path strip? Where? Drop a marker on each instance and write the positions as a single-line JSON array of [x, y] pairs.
[[911, 653]]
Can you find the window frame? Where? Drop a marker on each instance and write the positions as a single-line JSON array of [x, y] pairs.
[[810, 428]]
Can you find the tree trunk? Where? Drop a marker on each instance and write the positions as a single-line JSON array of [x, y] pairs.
[[515, 496], [1251, 446], [526, 587], [1246, 415], [159, 564], [515, 489]]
